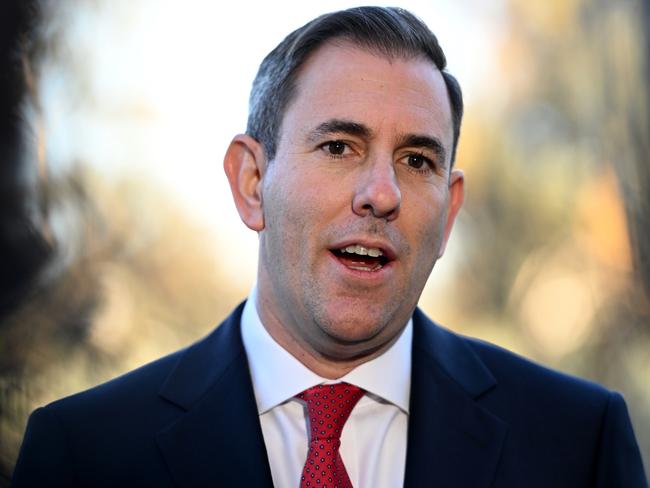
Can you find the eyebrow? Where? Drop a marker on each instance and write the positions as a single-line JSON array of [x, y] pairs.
[[340, 126], [427, 142]]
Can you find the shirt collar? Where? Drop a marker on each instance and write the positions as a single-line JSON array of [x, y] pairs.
[[287, 376]]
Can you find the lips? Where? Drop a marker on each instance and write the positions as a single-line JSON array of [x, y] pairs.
[[362, 256]]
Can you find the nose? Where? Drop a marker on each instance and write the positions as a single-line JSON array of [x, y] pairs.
[[378, 192]]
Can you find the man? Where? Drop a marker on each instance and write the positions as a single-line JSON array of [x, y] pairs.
[[329, 375]]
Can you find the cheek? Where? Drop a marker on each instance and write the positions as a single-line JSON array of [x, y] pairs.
[[428, 222], [288, 212], [307, 199]]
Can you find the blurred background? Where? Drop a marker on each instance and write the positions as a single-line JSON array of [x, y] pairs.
[[119, 242]]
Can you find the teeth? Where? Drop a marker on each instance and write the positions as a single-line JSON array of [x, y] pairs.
[[363, 251]]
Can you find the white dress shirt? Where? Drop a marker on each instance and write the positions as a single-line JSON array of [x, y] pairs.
[[373, 443]]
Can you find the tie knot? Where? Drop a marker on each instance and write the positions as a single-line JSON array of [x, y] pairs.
[[329, 407]]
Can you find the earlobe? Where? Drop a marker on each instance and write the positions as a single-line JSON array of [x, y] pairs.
[[456, 198], [244, 164]]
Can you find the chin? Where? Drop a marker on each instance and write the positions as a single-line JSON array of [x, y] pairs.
[[346, 345], [354, 329], [352, 326]]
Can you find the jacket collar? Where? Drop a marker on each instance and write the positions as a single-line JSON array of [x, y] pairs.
[[452, 439], [218, 441]]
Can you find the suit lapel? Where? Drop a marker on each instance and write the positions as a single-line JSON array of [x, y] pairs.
[[218, 440], [452, 440]]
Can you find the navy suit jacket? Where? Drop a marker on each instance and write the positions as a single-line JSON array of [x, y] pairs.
[[479, 417]]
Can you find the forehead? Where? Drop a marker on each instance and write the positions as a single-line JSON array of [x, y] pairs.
[[340, 80]]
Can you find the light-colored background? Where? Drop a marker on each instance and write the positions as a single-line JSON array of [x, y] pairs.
[[136, 102]]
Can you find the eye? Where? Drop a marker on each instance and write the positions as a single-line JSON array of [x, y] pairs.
[[417, 161], [335, 148]]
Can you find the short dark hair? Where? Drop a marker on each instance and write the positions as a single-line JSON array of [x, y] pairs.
[[390, 32]]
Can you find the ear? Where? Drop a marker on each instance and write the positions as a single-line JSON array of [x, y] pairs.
[[244, 164], [456, 197]]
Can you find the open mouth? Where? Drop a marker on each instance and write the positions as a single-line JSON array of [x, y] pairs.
[[361, 258]]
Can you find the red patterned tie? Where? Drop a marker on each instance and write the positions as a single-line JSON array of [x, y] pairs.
[[329, 407]]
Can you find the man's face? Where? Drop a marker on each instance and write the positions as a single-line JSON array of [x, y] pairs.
[[356, 204]]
